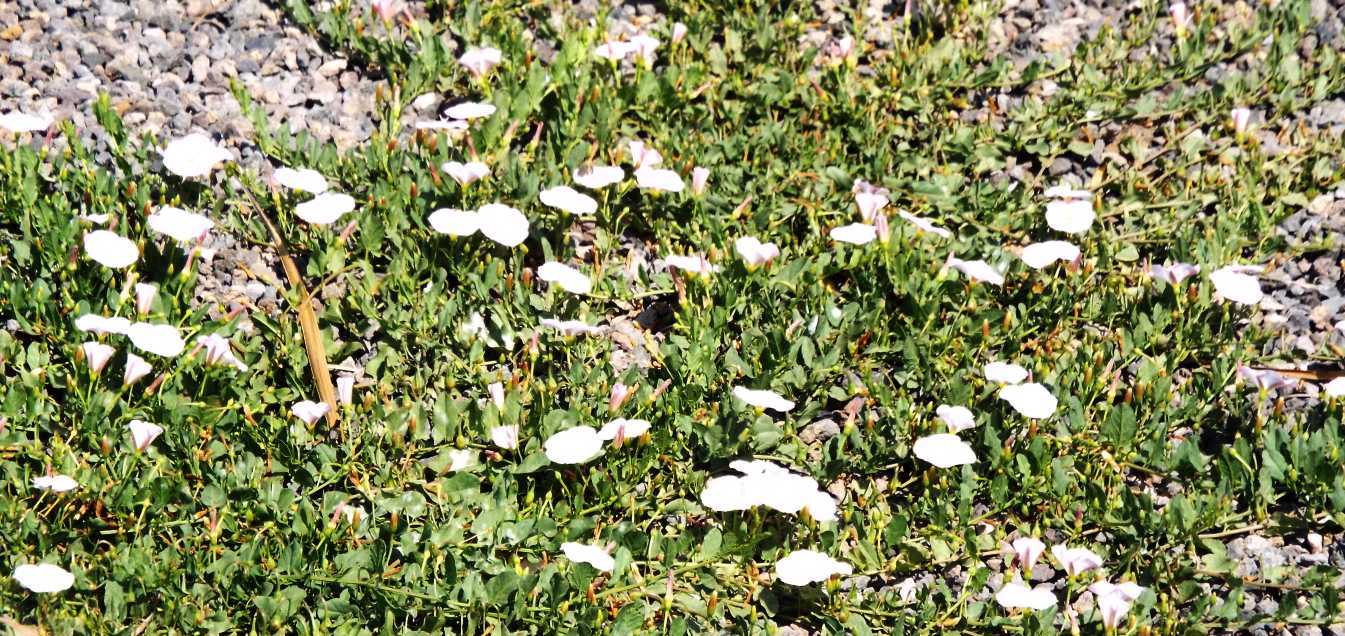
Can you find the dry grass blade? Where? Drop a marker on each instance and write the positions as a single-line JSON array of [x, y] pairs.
[[1314, 374]]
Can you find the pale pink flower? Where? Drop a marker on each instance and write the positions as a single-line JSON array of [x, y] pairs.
[[496, 391], [1075, 561], [699, 178], [479, 61], [136, 368], [620, 393], [642, 156], [1241, 117], [679, 31], [345, 389], [144, 297], [143, 433], [1027, 550], [96, 355], [309, 412]]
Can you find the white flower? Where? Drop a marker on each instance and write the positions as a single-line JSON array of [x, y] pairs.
[[466, 173], [101, 325], [598, 177], [1335, 388], [96, 355], [144, 297], [977, 270], [461, 459], [613, 50], [660, 179], [754, 252], [643, 46], [573, 445], [1039, 255], [700, 177], [1063, 191], [695, 265], [1264, 379], [143, 433], [1128, 590], [496, 391], [803, 567], [1071, 216], [765, 484], [110, 250], [1005, 372], [219, 351], [572, 327], [1075, 561], [302, 179], [1113, 608], [325, 208], [1031, 400], [194, 156], [956, 418], [470, 110], [1016, 595], [855, 233], [17, 122], [1241, 117], [55, 483], [160, 340], [870, 202], [454, 222], [944, 450], [642, 156], [505, 436], [345, 389], [620, 393], [1174, 274], [309, 412], [44, 578], [136, 368], [1233, 284], [924, 224], [567, 199], [762, 399], [1181, 16], [726, 494], [590, 554], [96, 219], [568, 278], [502, 224], [679, 31], [350, 514], [1027, 550], [479, 61], [623, 428], [179, 224]]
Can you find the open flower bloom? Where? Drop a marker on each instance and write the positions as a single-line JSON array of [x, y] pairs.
[[1335, 388], [643, 46], [96, 355], [219, 352], [309, 412], [1031, 400], [567, 199], [479, 61], [143, 433], [470, 110], [454, 222], [505, 437], [144, 297], [1241, 117], [160, 340], [179, 224], [763, 483], [461, 459], [1004, 372], [572, 327], [700, 177], [694, 265], [1113, 608], [622, 428], [466, 173], [869, 200], [502, 224], [1128, 590], [102, 325], [1233, 283], [598, 177], [643, 156], [977, 270], [1017, 595], [325, 208], [1264, 379], [1174, 274], [924, 224], [956, 418], [1071, 215], [590, 554], [568, 278], [302, 179], [944, 450], [754, 252], [136, 368], [17, 122], [1039, 255], [659, 179], [55, 483], [763, 399], [1075, 561], [1027, 550], [44, 578], [804, 567], [110, 250], [573, 445], [194, 156], [854, 234], [612, 50]]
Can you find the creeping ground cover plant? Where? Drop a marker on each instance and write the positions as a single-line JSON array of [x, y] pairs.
[[772, 318]]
